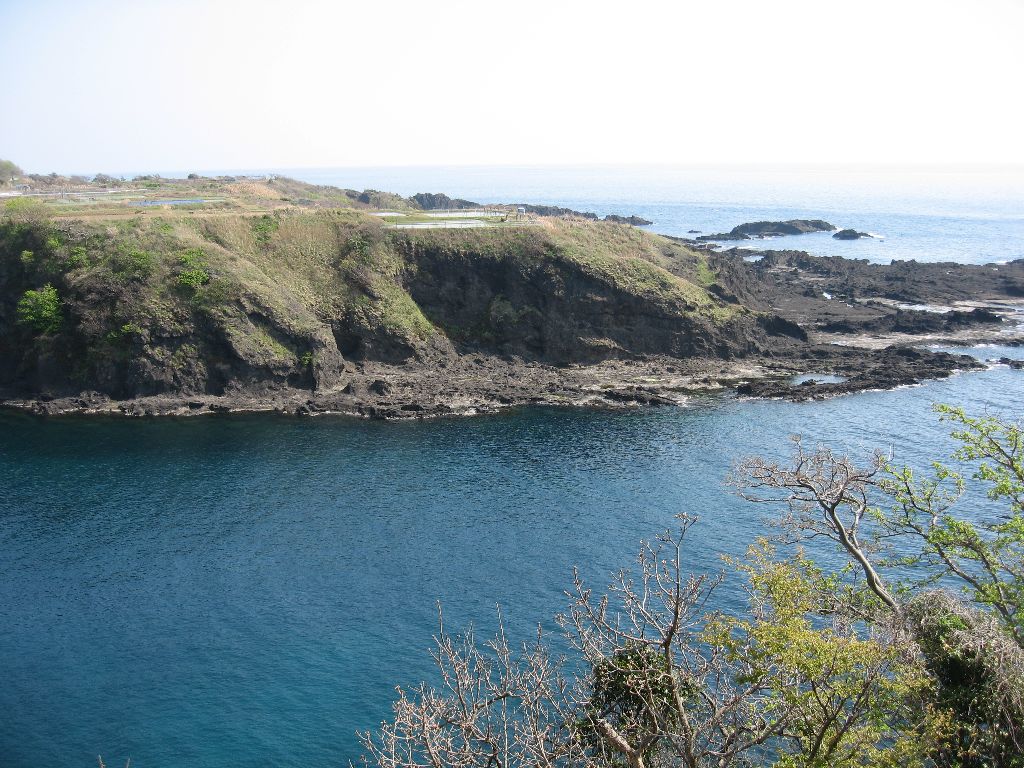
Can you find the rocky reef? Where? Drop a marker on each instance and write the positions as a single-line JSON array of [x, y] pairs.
[[850, 234], [762, 229], [881, 369]]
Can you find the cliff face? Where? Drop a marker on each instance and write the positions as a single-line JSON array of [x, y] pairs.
[[554, 299], [235, 303]]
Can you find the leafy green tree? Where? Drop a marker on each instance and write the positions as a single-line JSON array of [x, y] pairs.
[[891, 523], [854, 697], [9, 171], [986, 555], [40, 309]]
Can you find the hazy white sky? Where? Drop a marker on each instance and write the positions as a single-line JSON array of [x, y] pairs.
[[179, 85]]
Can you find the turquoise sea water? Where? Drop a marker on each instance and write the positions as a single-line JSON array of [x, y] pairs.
[[246, 591]]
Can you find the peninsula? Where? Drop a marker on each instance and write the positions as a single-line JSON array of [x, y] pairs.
[[184, 296]]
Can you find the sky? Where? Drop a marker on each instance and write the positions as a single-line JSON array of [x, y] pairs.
[[154, 86]]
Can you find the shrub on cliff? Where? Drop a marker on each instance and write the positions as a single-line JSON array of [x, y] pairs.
[[40, 309], [194, 274]]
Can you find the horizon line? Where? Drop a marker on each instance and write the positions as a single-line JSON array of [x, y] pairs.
[[847, 166]]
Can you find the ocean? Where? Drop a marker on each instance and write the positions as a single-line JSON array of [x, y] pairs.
[[248, 590], [973, 216]]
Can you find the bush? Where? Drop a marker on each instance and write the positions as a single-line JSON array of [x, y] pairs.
[[78, 257], [133, 264], [193, 258], [215, 295], [263, 228], [193, 278], [40, 310], [26, 210], [194, 275]]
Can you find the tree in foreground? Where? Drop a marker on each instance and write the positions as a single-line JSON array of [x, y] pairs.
[[864, 666], [888, 521]]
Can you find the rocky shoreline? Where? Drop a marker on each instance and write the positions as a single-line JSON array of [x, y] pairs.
[[856, 343], [479, 384]]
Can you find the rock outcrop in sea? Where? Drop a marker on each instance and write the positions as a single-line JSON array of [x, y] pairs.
[[762, 229], [850, 234]]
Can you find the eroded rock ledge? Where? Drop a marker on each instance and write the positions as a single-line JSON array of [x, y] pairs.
[[476, 384]]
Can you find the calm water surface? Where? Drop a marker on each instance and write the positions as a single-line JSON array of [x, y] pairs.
[[247, 591]]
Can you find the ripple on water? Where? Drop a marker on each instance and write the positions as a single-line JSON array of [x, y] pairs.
[[248, 590]]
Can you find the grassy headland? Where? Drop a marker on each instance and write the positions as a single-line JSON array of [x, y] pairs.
[[196, 294], [279, 284]]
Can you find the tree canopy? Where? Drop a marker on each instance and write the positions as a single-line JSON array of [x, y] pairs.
[[8, 171]]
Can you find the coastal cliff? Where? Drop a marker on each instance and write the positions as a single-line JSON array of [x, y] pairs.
[[306, 301], [319, 307]]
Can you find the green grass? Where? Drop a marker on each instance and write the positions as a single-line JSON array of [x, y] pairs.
[[620, 256], [262, 278]]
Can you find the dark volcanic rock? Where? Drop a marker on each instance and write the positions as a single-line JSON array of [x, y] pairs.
[[915, 321], [552, 311], [636, 221], [779, 276], [1017, 365], [554, 210], [880, 369], [437, 201], [779, 326], [771, 229], [850, 234]]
